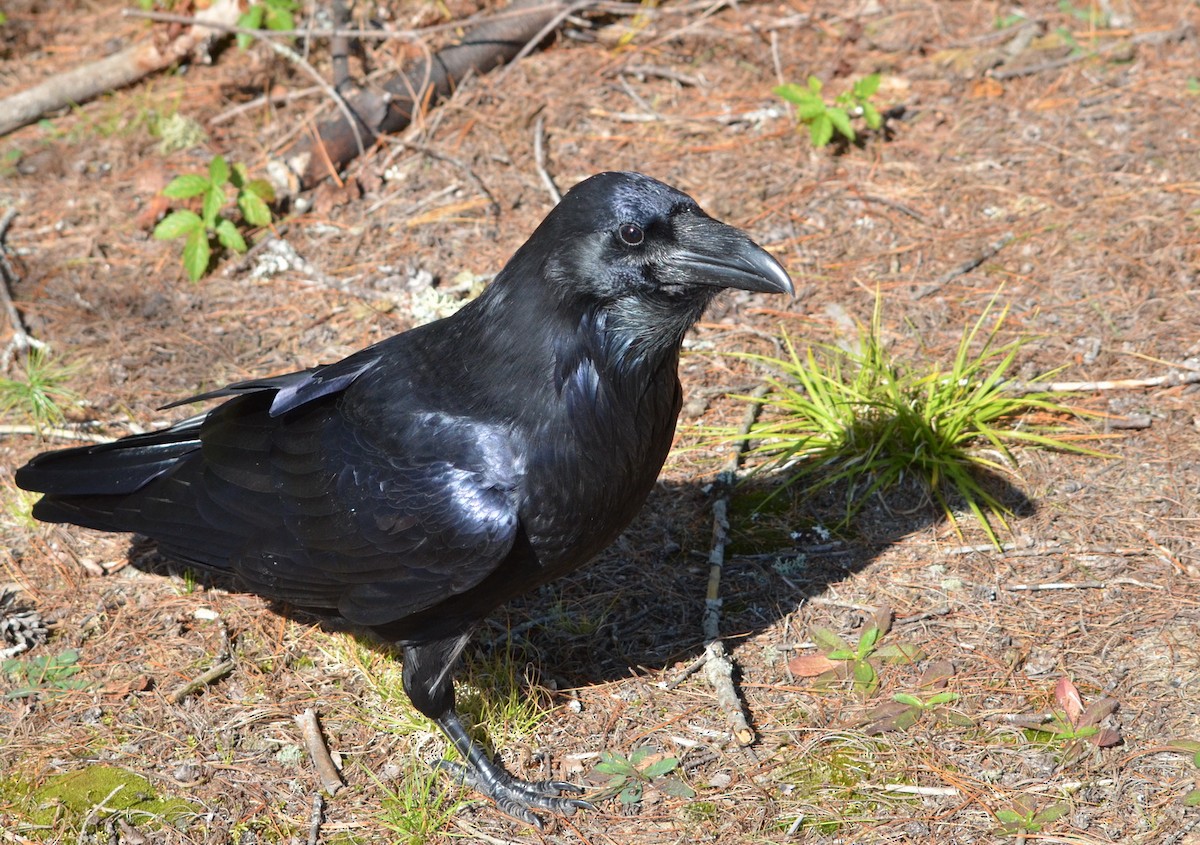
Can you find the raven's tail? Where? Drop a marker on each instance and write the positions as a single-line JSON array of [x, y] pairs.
[[88, 485]]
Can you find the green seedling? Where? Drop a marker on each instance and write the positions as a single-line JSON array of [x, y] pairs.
[[50, 676], [39, 393], [629, 778], [823, 119], [864, 419], [858, 663], [252, 198], [273, 15], [1024, 818], [930, 703], [1075, 726]]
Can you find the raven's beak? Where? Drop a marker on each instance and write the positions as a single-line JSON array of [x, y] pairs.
[[713, 253]]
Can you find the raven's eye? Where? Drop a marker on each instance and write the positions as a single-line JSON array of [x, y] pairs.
[[631, 234]]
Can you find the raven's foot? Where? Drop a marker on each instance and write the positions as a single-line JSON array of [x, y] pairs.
[[519, 798]]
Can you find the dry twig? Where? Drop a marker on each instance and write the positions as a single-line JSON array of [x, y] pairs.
[[220, 670], [148, 56], [314, 742], [539, 158], [718, 667]]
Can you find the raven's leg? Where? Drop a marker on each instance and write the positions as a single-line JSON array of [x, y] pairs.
[[516, 797], [428, 682]]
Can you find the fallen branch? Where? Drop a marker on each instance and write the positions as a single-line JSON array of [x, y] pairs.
[[56, 433], [492, 43], [1179, 33], [1082, 585], [22, 341], [116, 71], [315, 818], [911, 789], [314, 742], [1186, 374], [718, 667], [199, 682]]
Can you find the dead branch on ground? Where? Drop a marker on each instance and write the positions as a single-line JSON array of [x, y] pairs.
[[718, 667], [492, 43], [148, 56]]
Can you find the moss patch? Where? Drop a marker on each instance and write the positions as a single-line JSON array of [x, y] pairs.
[[65, 801]]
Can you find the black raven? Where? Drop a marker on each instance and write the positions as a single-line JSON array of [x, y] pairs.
[[418, 484]]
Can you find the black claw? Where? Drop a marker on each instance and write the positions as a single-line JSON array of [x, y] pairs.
[[518, 798]]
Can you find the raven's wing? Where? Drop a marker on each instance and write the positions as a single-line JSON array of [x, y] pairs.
[[379, 522], [376, 514]]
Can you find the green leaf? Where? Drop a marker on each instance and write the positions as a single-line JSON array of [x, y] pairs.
[[1009, 817], [279, 18], [186, 186], [660, 768], [1192, 799], [908, 700], [867, 640], [866, 680], [871, 116], [639, 754], [261, 188], [820, 131], [792, 92], [676, 788], [814, 85], [256, 212], [252, 18], [196, 253], [218, 170], [867, 86], [900, 653], [810, 109], [210, 208], [612, 767], [631, 794], [177, 224], [840, 121], [942, 698], [828, 641], [229, 237], [1052, 813]]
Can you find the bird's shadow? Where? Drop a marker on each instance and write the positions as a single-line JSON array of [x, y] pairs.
[[640, 606]]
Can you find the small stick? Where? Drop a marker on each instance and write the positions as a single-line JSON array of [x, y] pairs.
[[689, 670], [315, 818], [56, 433], [310, 730], [1082, 585], [22, 340], [201, 681], [718, 668], [539, 159], [966, 267], [1175, 378], [910, 789]]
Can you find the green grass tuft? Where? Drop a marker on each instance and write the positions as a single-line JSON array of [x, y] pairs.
[[41, 391], [864, 419]]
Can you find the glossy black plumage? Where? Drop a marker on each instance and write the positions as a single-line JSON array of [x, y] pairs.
[[421, 482]]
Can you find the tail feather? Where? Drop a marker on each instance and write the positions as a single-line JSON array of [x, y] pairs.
[[121, 467]]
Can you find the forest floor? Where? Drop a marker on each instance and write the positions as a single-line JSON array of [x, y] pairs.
[[1048, 159]]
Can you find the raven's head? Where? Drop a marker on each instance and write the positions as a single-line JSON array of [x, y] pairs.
[[646, 256]]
